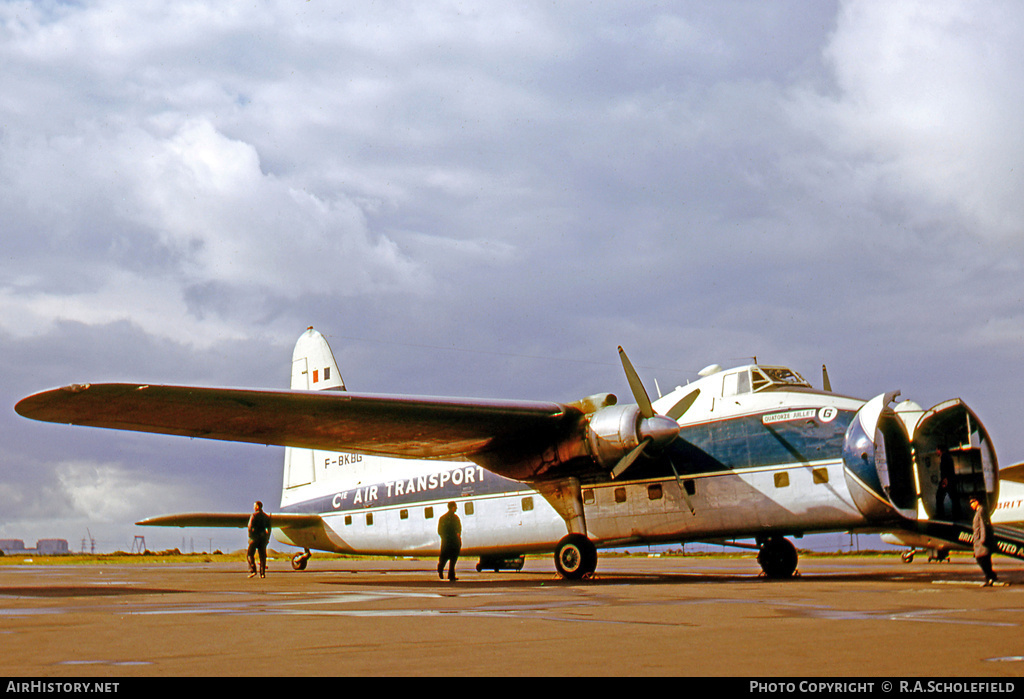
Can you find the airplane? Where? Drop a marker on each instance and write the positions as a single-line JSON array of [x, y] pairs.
[[751, 452], [1008, 513]]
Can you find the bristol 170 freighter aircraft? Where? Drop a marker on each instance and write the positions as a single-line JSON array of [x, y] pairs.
[[752, 452]]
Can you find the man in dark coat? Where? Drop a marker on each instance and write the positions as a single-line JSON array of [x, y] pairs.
[[984, 540], [947, 486], [449, 527], [259, 537]]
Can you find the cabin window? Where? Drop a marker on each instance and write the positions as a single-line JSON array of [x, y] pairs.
[[527, 504], [620, 495], [654, 491], [820, 475], [468, 508], [782, 480], [588, 496], [403, 514], [428, 513], [736, 383], [691, 486], [369, 519], [348, 520]]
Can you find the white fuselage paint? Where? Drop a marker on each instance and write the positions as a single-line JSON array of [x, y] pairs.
[[388, 506]]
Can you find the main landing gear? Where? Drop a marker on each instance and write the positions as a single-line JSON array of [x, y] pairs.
[[934, 555], [575, 557], [777, 557]]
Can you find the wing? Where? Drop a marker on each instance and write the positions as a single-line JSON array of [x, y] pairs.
[[503, 436], [236, 520]]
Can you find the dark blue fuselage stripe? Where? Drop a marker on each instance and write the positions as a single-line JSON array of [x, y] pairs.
[[734, 444], [749, 442]]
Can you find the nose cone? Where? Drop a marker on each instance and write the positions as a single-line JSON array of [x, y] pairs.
[[659, 429]]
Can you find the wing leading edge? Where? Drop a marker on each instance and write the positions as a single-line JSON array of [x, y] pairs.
[[503, 436]]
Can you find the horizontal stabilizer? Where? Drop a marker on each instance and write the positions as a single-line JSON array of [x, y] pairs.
[[229, 519], [1012, 473]]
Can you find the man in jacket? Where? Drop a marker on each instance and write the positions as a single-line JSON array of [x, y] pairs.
[[984, 540], [449, 527], [259, 537]]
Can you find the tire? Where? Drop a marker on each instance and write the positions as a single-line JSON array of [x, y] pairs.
[[777, 558], [575, 557]]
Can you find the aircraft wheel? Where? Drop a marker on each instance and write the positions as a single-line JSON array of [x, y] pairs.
[[575, 557], [300, 560], [777, 558], [907, 556]]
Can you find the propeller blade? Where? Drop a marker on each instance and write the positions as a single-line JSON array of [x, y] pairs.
[[677, 410], [627, 460], [643, 401]]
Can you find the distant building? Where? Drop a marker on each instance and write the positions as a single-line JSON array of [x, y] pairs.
[[52, 547], [44, 547]]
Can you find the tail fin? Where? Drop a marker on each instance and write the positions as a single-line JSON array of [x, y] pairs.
[[313, 365], [313, 368]]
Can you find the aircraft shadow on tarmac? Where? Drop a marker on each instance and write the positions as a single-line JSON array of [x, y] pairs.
[[406, 578]]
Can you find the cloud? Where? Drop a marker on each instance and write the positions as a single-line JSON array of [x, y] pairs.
[[924, 102], [135, 224]]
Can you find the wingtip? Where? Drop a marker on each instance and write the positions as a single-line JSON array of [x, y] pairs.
[[34, 407]]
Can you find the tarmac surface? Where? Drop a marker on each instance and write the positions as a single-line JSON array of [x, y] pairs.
[[690, 616]]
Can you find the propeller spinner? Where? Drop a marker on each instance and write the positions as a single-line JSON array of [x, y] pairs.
[[653, 430]]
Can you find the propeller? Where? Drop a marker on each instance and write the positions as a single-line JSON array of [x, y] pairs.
[[659, 430]]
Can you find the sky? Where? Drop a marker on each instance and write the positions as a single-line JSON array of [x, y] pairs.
[[485, 200]]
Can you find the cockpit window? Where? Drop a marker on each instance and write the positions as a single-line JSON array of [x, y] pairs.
[[768, 377]]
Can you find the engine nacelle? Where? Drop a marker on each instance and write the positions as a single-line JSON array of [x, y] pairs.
[[612, 433]]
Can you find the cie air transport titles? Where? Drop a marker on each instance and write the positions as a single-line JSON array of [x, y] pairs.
[[752, 452]]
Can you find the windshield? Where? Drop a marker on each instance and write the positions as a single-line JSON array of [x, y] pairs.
[[768, 377]]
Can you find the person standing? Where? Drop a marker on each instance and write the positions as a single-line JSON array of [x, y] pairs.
[[984, 540], [947, 486], [259, 537], [449, 527]]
